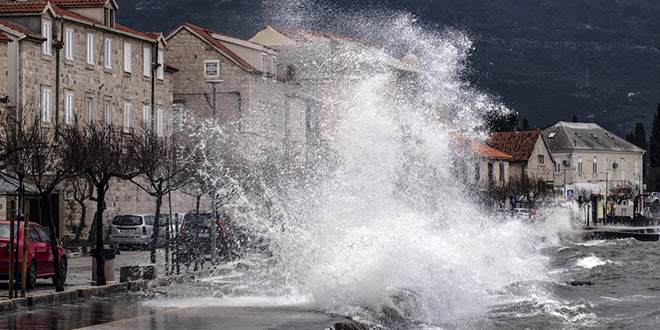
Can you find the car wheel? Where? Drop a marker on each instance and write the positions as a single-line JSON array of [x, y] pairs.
[[32, 276], [63, 265]]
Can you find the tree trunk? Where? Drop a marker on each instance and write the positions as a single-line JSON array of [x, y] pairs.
[[91, 237], [81, 225], [59, 287], [100, 258], [156, 230]]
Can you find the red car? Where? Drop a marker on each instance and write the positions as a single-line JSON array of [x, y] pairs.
[[40, 253]]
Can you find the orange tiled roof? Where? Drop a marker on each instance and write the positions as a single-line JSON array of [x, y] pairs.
[[206, 35], [82, 3], [129, 30], [303, 36], [63, 12], [519, 144], [22, 7], [488, 152]]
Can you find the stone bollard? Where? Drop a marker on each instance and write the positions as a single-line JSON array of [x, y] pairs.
[[134, 273]]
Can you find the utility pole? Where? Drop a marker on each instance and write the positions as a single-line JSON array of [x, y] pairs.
[[214, 152]]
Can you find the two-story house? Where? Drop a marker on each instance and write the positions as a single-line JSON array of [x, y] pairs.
[[531, 156], [591, 158]]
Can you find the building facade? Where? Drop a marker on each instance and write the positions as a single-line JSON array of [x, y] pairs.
[[591, 158], [70, 63], [531, 156]]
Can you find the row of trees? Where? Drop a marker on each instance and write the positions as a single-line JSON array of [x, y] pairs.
[[89, 158]]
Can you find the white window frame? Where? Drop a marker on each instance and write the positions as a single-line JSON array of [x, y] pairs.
[[108, 53], [217, 68], [146, 116], [636, 168], [274, 68], [580, 166], [622, 165], [160, 73], [557, 166], [45, 105], [90, 49], [69, 43], [127, 117], [160, 121], [146, 61], [127, 57], [264, 66], [595, 165], [47, 33], [68, 108], [108, 112], [89, 110]]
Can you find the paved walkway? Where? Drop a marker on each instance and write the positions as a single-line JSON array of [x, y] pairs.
[[80, 272]]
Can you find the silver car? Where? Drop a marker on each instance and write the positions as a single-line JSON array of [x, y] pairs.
[[131, 229]]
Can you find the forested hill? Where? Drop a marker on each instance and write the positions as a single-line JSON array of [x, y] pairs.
[[546, 59]]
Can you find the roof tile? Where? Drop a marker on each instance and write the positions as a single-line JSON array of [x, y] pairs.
[[22, 7], [518, 144], [206, 35], [304, 36]]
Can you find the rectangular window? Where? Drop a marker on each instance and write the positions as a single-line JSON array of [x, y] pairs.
[[108, 113], [579, 165], [264, 66], [146, 110], [48, 35], [273, 115], [636, 168], [108, 53], [609, 164], [541, 159], [595, 165], [274, 68], [622, 165], [69, 42], [501, 171], [127, 57], [161, 66], [146, 61], [89, 110], [127, 117], [491, 176], [90, 48], [160, 121], [45, 105], [477, 173], [211, 68], [68, 108], [557, 166]]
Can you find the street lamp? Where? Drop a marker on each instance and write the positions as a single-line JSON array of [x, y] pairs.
[[214, 224]]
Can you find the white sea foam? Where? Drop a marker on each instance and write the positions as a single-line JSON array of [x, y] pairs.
[[591, 262], [386, 220]]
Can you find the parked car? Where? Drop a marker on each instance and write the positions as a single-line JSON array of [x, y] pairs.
[[40, 253], [131, 230], [195, 236]]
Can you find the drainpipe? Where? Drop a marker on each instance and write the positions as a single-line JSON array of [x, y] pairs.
[[58, 46], [153, 88]]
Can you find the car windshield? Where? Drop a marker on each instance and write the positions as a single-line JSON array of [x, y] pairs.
[[4, 230], [127, 220], [199, 220]]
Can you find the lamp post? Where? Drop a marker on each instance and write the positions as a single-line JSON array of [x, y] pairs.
[[214, 224]]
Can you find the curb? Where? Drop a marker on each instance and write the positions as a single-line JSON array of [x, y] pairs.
[[98, 291]]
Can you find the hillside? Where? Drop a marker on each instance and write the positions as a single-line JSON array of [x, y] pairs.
[[548, 60]]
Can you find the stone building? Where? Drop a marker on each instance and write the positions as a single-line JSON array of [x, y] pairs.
[[591, 158], [262, 117], [258, 112], [71, 63], [326, 65], [531, 156]]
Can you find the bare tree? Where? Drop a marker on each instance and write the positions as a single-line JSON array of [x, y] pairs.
[[46, 171], [82, 191], [162, 174], [100, 153]]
